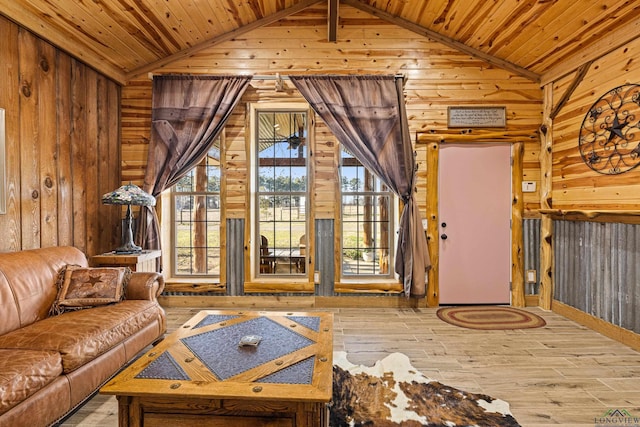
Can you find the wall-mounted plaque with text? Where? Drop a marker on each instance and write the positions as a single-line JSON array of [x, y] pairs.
[[476, 117]]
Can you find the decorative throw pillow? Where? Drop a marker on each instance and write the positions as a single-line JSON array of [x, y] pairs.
[[83, 287]]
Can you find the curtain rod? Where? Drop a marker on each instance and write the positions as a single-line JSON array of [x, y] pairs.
[[255, 77], [276, 76], [270, 77]]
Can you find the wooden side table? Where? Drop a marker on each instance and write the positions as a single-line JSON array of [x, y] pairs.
[[144, 261]]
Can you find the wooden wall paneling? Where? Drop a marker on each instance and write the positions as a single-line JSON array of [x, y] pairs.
[[531, 172], [326, 176], [421, 175], [48, 128], [104, 221], [136, 129], [65, 173], [575, 185], [10, 222], [237, 166], [326, 183], [57, 121], [79, 153], [108, 177], [112, 122], [29, 141], [91, 172]]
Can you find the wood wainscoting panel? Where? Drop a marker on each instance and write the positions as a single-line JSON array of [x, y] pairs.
[[62, 147]]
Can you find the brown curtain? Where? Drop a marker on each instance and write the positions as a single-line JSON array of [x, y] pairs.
[[367, 115], [188, 113]]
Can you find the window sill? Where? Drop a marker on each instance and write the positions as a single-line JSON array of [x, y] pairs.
[[366, 286], [367, 279], [195, 285], [279, 285]]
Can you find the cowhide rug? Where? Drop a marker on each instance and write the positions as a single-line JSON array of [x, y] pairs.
[[394, 393]]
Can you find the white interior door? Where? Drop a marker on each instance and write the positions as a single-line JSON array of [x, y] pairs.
[[474, 197]]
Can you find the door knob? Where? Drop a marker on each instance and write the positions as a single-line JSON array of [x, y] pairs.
[[443, 237]]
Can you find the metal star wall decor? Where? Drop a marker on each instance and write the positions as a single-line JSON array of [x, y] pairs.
[[609, 140]]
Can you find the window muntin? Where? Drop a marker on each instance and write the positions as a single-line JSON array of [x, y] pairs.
[[367, 218], [196, 218], [281, 192]]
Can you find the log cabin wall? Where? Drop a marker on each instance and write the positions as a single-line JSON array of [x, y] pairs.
[[437, 77], [595, 216], [576, 187], [62, 152]]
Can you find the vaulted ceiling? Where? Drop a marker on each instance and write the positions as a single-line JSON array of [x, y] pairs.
[[539, 39]]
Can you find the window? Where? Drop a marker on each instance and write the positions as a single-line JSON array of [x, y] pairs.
[[281, 192], [196, 219], [367, 218]]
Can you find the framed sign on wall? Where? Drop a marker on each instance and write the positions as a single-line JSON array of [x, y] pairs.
[[476, 117]]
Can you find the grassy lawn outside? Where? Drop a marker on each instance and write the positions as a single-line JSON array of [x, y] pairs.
[[282, 226]]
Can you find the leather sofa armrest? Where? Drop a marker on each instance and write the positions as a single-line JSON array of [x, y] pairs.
[[145, 286]]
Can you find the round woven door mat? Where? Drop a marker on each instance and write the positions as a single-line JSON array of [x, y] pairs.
[[490, 317]]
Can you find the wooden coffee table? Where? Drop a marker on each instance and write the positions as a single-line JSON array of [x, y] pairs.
[[200, 375]]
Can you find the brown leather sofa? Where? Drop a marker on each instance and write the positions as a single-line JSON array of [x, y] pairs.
[[51, 364]]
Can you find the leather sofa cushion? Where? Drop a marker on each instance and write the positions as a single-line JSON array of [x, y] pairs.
[[82, 335], [28, 283], [23, 372]]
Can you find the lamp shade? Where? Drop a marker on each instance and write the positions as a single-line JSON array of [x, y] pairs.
[[129, 194]]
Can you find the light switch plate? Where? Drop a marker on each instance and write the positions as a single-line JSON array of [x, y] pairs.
[[531, 276], [528, 186]]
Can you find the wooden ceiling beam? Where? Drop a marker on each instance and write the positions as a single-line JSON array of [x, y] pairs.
[[185, 53], [582, 71], [332, 20], [447, 41]]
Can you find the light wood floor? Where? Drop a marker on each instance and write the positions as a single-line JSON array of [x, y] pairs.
[[562, 374]]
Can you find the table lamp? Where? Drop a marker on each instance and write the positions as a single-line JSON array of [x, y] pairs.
[[129, 194]]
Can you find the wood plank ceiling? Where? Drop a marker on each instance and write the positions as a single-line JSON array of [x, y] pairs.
[[534, 38]]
